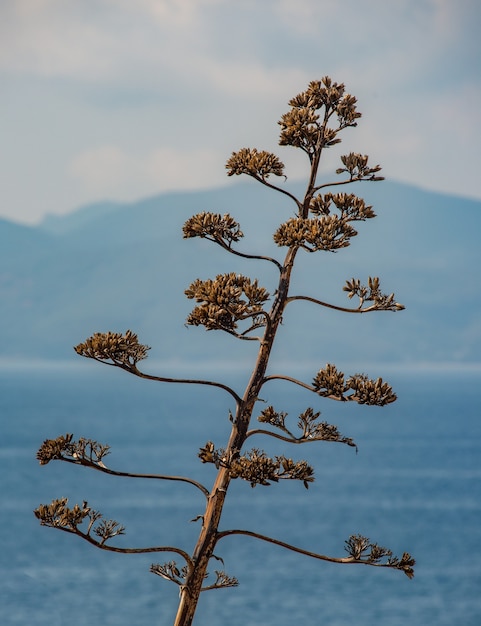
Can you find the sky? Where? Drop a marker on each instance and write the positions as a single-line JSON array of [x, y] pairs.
[[124, 99]]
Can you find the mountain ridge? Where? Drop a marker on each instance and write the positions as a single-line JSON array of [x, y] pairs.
[[113, 266]]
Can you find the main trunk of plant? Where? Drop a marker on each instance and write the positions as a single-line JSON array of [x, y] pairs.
[[206, 542]]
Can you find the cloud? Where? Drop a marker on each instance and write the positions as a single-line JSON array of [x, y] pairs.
[[123, 90], [108, 171], [173, 12], [213, 44]]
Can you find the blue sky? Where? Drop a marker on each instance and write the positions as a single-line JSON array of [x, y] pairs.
[[122, 99]]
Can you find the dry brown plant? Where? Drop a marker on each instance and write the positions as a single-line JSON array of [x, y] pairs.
[[239, 306]]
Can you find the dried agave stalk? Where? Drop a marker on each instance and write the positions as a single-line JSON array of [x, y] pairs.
[[239, 306]]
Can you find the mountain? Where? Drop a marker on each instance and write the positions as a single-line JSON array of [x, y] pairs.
[[113, 266]]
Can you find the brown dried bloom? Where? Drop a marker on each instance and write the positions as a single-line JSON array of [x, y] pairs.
[[362, 550], [225, 300], [58, 515], [330, 382], [259, 469], [327, 232], [52, 449], [213, 226], [303, 127], [123, 350], [372, 293], [311, 428], [372, 392], [356, 165], [349, 206], [259, 164], [83, 451]]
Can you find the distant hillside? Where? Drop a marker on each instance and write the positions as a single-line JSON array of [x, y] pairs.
[[116, 266]]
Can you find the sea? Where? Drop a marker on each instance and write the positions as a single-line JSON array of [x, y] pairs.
[[414, 485]]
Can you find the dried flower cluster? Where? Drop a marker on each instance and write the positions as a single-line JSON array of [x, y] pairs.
[[305, 125], [350, 206], [222, 580], [328, 233], [222, 229], [59, 515], [372, 293], [311, 428], [362, 550], [122, 350], [83, 451], [171, 572], [55, 449], [330, 382], [225, 301], [356, 165], [258, 164], [257, 468]]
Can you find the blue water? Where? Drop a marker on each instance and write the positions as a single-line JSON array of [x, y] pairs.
[[415, 485]]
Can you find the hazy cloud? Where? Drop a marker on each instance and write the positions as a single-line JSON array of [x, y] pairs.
[[110, 171], [203, 77]]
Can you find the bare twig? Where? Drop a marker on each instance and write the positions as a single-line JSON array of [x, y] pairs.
[[373, 307], [106, 470], [109, 548], [244, 255], [405, 564], [185, 381]]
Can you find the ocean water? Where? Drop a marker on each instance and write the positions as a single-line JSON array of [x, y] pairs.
[[414, 485]]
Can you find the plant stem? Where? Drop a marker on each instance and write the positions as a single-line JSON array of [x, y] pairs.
[[208, 536]]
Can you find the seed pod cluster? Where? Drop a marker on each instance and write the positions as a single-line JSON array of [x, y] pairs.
[[327, 232], [305, 125], [330, 382], [225, 301], [362, 550], [356, 166], [213, 226], [372, 293], [121, 349], [63, 448], [259, 164]]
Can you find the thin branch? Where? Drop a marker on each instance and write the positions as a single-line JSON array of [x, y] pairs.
[[132, 368], [292, 439], [262, 431], [341, 182], [187, 381], [288, 546], [108, 548], [309, 387], [222, 581], [223, 245], [339, 398], [241, 318], [255, 314], [276, 188], [373, 307], [214, 586], [288, 379], [106, 470], [315, 160], [239, 335], [267, 318]]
